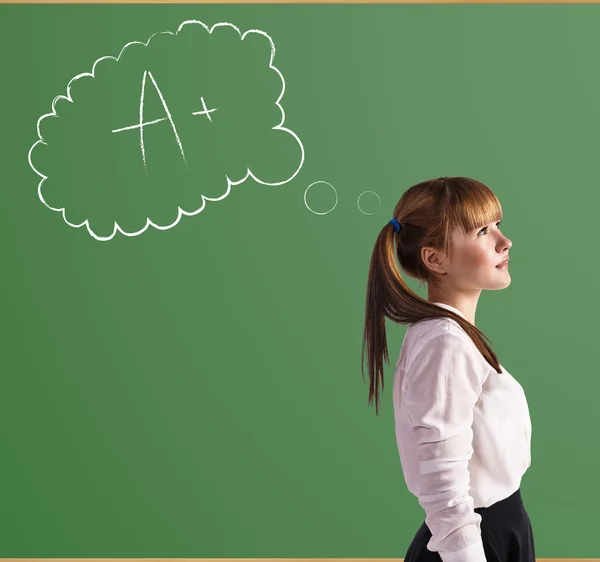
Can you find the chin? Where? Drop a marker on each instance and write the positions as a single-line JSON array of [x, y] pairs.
[[502, 284]]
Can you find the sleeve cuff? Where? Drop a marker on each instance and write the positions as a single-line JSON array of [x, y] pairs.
[[472, 553]]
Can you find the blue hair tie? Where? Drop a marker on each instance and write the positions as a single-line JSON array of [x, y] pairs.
[[395, 223]]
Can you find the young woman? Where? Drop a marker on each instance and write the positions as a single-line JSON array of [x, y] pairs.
[[462, 421]]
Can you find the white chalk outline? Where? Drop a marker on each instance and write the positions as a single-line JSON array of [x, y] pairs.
[[181, 212], [336, 199], [326, 183], [358, 201]]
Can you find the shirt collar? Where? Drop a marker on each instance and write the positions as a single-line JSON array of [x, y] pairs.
[[444, 305]]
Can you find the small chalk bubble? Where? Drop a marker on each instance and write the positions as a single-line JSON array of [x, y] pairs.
[[316, 212], [358, 201]]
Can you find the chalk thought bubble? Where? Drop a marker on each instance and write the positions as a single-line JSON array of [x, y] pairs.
[[152, 134]]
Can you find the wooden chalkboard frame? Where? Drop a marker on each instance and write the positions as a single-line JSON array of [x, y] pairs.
[[302, 2]]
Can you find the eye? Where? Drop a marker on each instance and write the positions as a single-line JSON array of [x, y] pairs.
[[485, 228]]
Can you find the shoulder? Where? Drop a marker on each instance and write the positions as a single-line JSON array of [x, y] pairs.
[[430, 328], [446, 336]]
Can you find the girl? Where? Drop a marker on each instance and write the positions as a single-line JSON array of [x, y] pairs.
[[462, 421]]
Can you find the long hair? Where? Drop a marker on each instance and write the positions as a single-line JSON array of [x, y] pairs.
[[428, 212]]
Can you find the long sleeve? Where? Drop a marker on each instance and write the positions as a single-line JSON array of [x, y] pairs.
[[444, 383]]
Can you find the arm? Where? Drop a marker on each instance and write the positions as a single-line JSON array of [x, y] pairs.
[[444, 383]]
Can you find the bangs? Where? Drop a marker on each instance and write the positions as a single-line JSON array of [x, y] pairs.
[[473, 206]]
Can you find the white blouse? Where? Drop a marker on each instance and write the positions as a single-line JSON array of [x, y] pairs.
[[463, 433]]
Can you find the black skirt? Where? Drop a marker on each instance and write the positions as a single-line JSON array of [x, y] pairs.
[[505, 531]]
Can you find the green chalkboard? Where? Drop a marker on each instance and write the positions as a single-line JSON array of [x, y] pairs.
[[190, 198]]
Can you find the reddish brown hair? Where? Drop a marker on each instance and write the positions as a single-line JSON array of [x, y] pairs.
[[428, 213]]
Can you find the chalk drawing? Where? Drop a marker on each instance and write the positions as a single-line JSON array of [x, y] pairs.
[[336, 199], [334, 190], [142, 124], [358, 201], [205, 111]]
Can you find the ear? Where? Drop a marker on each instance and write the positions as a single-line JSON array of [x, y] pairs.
[[433, 259]]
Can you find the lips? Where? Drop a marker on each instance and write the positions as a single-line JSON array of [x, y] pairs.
[[505, 262]]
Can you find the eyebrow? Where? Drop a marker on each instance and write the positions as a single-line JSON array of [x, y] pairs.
[[480, 227]]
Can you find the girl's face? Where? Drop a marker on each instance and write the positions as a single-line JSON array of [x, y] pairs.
[[475, 258]]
